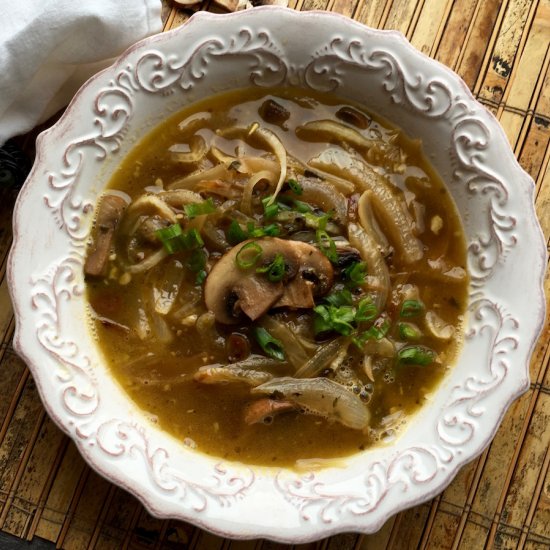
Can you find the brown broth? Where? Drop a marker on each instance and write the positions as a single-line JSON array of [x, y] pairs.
[[159, 377]]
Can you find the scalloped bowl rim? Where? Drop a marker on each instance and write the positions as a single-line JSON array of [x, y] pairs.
[[164, 491]]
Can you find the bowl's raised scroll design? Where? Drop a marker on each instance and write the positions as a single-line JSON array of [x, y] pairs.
[[118, 438], [73, 370], [153, 72], [269, 47]]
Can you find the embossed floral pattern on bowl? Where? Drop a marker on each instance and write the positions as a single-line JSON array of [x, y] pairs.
[[276, 47]]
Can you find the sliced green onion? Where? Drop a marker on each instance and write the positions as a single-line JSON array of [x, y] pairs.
[[366, 310], [317, 222], [327, 245], [235, 233], [340, 298], [295, 187], [301, 207], [334, 318], [341, 319], [170, 237], [271, 230], [199, 208], [248, 255], [174, 239], [271, 346], [409, 332], [356, 272], [196, 261], [416, 355], [201, 276], [271, 210], [275, 271], [376, 332], [192, 239], [321, 320], [411, 308]]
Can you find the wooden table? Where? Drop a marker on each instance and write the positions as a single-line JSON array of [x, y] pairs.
[[501, 500]]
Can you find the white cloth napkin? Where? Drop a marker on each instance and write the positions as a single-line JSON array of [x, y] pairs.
[[48, 48]]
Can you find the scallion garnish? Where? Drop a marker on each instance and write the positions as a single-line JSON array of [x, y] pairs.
[[271, 210], [335, 318], [378, 331], [201, 276], [170, 237], [197, 260], [192, 239], [409, 332], [416, 355], [411, 308], [174, 239], [327, 245], [235, 233], [271, 230], [340, 298], [248, 255], [317, 222], [301, 207], [295, 187], [199, 208], [275, 271], [366, 310], [356, 272], [271, 346]]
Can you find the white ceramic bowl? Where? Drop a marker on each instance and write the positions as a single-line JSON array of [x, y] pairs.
[[267, 47]]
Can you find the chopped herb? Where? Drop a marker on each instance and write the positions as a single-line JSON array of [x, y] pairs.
[[201, 276], [275, 271], [170, 237], [236, 234], [271, 210], [199, 208], [416, 355], [376, 332], [340, 298], [327, 245], [295, 187], [317, 222], [174, 239], [197, 260], [301, 206], [248, 255], [409, 332], [356, 272], [366, 310], [411, 308], [272, 230], [192, 239], [271, 346], [234, 165], [334, 318]]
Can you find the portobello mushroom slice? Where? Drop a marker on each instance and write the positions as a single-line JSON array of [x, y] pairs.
[[231, 291], [109, 214]]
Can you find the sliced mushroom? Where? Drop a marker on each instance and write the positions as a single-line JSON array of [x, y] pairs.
[[314, 277], [263, 410], [221, 374], [230, 290], [109, 214], [273, 112]]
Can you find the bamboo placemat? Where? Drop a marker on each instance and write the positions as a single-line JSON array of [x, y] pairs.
[[501, 48]]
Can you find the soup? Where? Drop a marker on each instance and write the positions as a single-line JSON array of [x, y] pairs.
[[277, 277]]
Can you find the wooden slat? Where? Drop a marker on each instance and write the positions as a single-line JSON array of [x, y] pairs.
[[501, 500]]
